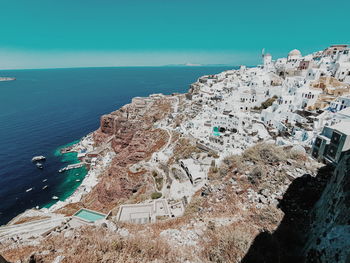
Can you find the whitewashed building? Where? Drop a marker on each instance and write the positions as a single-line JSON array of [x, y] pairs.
[[340, 103]]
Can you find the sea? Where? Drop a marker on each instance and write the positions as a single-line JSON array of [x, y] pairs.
[[46, 109]]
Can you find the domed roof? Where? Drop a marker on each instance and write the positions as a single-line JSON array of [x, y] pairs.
[[294, 52]]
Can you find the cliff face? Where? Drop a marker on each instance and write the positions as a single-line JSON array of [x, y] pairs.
[[286, 242], [329, 236], [316, 222], [131, 135]]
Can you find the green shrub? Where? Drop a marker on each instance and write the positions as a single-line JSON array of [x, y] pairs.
[[156, 195], [159, 182]]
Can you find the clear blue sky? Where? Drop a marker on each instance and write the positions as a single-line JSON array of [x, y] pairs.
[[64, 33]]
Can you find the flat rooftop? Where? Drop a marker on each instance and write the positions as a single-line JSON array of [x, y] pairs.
[[342, 126], [143, 213]]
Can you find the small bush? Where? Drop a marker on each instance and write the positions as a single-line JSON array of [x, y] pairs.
[[226, 244], [234, 163], [159, 182], [156, 195], [213, 170], [194, 206], [257, 173]]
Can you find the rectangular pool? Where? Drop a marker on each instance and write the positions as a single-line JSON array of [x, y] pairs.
[[89, 215]]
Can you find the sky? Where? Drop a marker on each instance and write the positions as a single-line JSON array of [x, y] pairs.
[[88, 33]]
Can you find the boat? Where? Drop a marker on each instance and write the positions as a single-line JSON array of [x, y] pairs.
[[71, 166], [77, 180], [28, 190], [7, 79], [39, 165], [54, 197], [46, 186], [38, 158], [44, 180]]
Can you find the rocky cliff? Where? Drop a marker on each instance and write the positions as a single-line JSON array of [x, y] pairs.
[[130, 134], [316, 222], [329, 233]]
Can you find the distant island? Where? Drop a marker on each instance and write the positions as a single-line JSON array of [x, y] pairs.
[[7, 79]]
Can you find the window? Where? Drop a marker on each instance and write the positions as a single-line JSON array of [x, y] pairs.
[[335, 137], [332, 151], [318, 142]]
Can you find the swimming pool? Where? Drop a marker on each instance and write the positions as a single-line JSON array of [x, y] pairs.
[[216, 131], [89, 215]]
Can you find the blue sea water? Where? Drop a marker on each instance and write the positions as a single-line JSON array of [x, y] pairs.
[[44, 109]]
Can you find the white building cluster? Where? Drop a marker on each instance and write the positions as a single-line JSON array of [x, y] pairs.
[[288, 100], [301, 101]]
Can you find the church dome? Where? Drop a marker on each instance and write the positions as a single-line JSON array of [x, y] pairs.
[[294, 52]]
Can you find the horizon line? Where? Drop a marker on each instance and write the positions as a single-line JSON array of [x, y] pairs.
[[136, 66]]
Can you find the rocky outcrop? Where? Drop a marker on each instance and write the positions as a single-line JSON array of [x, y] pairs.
[[329, 235], [286, 243], [131, 134], [316, 224]]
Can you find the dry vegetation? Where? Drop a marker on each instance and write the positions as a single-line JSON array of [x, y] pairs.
[[96, 244], [259, 167], [264, 153], [194, 206], [184, 148], [70, 209], [227, 244], [20, 254]]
